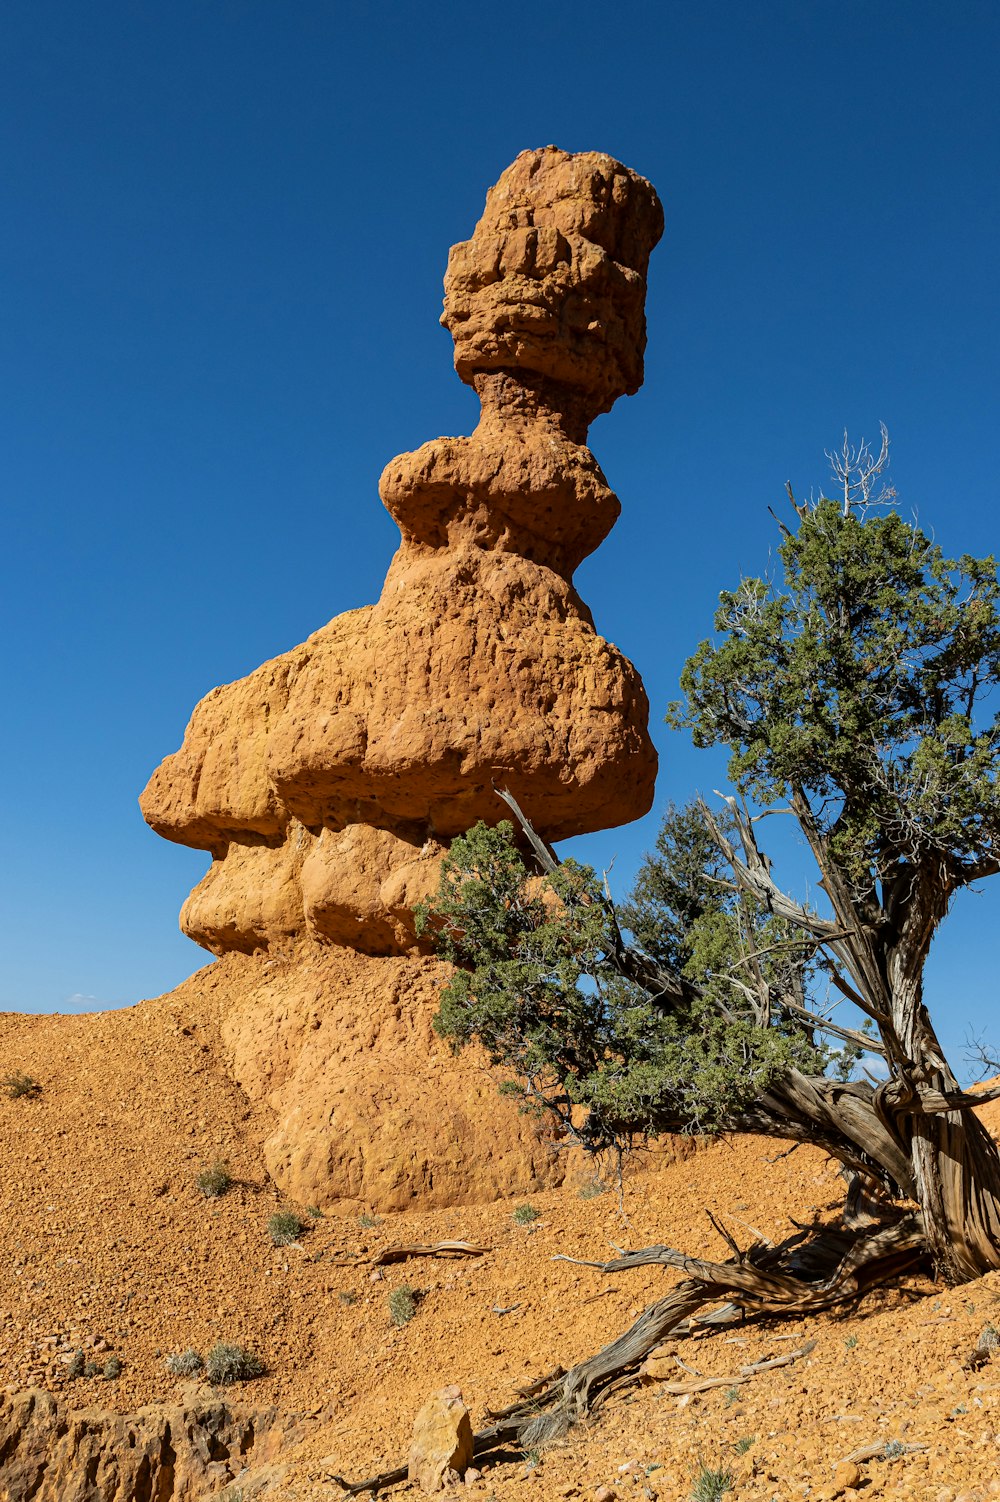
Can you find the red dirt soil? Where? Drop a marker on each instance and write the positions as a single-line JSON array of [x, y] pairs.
[[108, 1245]]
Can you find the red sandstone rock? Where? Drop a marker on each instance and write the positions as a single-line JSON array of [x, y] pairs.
[[480, 663], [327, 784], [371, 1107], [441, 1449], [51, 1453], [553, 280]]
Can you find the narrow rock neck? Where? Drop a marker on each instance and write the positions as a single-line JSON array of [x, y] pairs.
[[523, 398]]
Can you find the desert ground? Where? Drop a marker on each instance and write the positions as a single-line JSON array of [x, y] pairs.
[[110, 1247]]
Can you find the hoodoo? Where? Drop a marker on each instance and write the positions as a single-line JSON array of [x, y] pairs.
[[327, 784]]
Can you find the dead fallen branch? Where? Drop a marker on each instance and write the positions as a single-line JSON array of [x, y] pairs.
[[804, 1274], [677, 1389], [537, 1386], [771, 1366], [401, 1253], [886, 1449], [705, 1384]]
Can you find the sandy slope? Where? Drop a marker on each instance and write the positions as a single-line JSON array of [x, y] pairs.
[[105, 1241]]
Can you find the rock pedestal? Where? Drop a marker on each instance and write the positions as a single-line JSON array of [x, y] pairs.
[[327, 785]]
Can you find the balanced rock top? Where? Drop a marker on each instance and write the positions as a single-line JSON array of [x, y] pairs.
[[327, 784], [553, 280]]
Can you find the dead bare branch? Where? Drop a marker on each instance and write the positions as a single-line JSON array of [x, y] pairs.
[[402, 1253]]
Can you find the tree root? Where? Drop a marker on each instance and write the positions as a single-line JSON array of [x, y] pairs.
[[807, 1273]]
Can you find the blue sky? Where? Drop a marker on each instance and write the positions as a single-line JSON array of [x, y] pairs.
[[223, 234]]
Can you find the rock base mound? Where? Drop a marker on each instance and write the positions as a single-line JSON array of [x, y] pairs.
[[372, 1110]]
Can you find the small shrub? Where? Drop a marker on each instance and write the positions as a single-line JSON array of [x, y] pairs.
[[366, 1221], [314, 1211], [284, 1228], [894, 1448], [741, 1446], [711, 1485], [113, 1367], [91, 1369], [402, 1304], [184, 1363], [19, 1084], [77, 1365], [228, 1363], [593, 1190], [850, 1342], [214, 1181], [347, 1299], [732, 1395], [525, 1214]]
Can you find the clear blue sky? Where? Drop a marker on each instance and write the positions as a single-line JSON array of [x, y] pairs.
[[223, 232]]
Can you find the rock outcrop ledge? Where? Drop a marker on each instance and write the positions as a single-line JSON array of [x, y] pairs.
[[50, 1453], [327, 785]]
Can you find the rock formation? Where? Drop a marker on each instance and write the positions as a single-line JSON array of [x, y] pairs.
[[441, 1448], [51, 1453], [327, 784]]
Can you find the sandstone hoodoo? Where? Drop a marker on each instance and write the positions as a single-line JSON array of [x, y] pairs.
[[327, 784]]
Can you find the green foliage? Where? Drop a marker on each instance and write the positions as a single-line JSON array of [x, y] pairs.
[[861, 686], [524, 1215], [366, 1221], [112, 1367], [314, 1212], [711, 1484], [859, 677], [227, 1363], [77, 1365], [402, 1304], [592, 1190], [284, 1227], [20, 1085], [539, 987], [215, 1180], [744, 1443], [184, 1363]]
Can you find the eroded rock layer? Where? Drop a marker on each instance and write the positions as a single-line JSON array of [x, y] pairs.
[[51, 1453]]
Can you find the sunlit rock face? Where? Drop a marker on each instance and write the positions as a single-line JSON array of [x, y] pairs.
[[326, 784]]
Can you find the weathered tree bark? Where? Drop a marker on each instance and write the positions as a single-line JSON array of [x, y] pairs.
[[917, 1133]]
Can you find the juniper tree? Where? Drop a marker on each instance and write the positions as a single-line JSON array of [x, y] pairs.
[[855, 690], [859, 691]]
